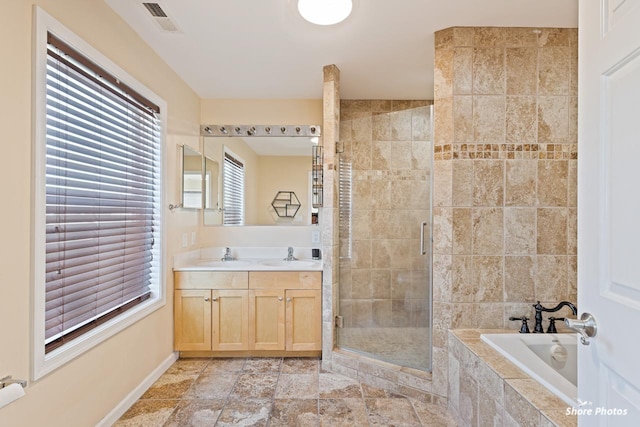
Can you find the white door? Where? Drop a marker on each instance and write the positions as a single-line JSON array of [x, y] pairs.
[[609, 210]]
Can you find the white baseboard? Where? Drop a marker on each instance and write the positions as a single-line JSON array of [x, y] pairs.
[[137, 392]]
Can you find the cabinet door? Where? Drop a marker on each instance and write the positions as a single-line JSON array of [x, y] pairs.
[[303, 320], [230, 320], [266, 319], [192, 320]]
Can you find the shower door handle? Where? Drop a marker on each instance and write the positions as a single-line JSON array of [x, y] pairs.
[[423, 251]]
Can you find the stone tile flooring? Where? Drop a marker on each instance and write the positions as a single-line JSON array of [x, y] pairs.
[[271, 392]]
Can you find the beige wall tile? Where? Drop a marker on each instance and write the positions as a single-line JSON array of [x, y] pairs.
[[361, 224], [380, 196], [488, 71], [400, 155], [488, 182], [443, 121], [463, 36], [521, 119], [381, 284], [361, 284], [421, 123], [463, 286], [519, 231], [380, 105], [521, 70], [552, 182], [381, 253], [442, 230], [361, 254], [554, 66], [361, 154], [444, 38], [553, 119], [520, 182], [443, 74], [573, 119], [551, 279], [442, 183], [462, 231], [361, 313], [520, 37], [488, 276], [554, 37], [519, 278], [442, 277], [463, 119], [462, 182], [489, 315], [551, 231], [489, 36], [381, 313], [572, 231], [421, 154], [488, 119], [572, 278], [488, 226], [381, 155], [462, 70], [381, 127], [572, 183], [401, 125]]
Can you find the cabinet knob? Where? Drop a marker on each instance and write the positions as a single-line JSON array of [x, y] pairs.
[[215, 299], [279, 298], [206, 299], [288, 299]]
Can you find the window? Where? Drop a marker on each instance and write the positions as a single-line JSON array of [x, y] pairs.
[[233, 189], [98, 203]]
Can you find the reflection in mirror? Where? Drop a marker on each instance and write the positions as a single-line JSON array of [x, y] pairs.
[[271, 164], [191, 178]]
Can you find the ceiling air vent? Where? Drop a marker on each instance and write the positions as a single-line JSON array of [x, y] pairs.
[[161, 17]]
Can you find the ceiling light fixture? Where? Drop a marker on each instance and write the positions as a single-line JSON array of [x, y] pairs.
[[325, 12]]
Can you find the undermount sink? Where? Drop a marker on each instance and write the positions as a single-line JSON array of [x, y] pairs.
[[288, 264], [232, 264]]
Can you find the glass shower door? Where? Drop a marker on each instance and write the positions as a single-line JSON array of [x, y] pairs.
[[385, 214]]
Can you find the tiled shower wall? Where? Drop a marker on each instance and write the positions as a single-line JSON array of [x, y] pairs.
[[384, 282], [505, 144]]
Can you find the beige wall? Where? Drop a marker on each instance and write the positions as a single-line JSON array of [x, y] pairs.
[[504, 178], [83, 391]]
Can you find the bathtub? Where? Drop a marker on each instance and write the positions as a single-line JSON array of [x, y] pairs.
[[551, 359]]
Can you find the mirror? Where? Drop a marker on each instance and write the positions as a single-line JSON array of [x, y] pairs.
[[268, 165], [191, 178]]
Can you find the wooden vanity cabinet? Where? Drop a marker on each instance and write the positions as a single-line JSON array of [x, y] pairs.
[[248, 312]]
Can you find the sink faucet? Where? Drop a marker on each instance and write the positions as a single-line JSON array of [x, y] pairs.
[[290, 256], [539, 309], [227, 255]]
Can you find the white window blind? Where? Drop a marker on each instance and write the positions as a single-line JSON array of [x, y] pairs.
[[233, 190], [102, 195]]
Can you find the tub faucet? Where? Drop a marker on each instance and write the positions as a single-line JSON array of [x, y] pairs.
[[227, 255], [290, 256], [539, 309]]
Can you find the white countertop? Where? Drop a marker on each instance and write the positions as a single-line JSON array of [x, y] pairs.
[[264, 264]]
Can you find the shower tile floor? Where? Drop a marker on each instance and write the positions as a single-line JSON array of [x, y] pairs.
[[271, 392], [400, 346]]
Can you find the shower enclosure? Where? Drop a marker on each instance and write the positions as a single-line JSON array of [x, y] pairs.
[[385, 230]]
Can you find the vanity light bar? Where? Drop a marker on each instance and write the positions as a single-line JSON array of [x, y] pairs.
[[259, 130]]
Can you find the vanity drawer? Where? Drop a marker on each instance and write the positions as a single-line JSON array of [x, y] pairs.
[[285, 280], [211, 279]]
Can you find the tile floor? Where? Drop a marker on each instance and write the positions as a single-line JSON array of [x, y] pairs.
[[271, 392]]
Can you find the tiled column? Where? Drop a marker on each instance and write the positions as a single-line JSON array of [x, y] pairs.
[[329, 211]]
